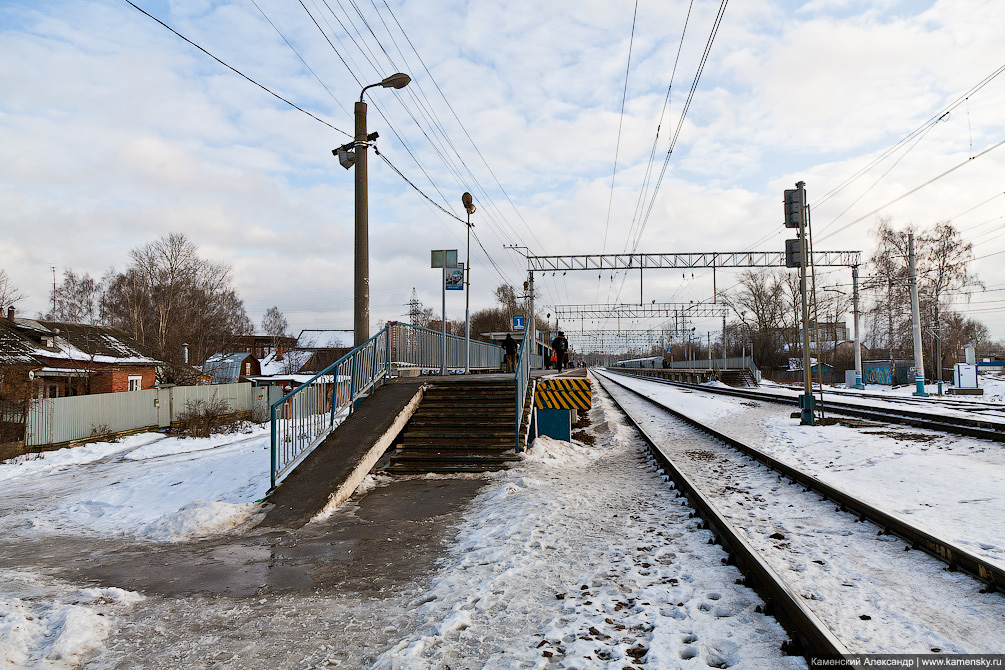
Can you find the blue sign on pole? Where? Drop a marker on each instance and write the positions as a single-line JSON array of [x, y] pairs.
[[518, 322], [455, 278]]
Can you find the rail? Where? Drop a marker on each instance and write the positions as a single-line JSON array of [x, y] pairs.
[[301, 419], [971, 427], [956, 557], [809, 633]]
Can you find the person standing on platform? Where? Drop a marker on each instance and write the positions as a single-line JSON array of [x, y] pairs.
[[509, 359], [560, 346]]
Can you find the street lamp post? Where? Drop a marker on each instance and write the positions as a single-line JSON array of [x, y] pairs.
[[469, 207], [357, 156]]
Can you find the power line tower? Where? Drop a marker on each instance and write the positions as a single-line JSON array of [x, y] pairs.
[[414, 308]]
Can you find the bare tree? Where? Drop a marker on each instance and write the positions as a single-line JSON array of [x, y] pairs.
[[275, 325], [169, 295], [9, 294], [889, 322], [761, 304], [77, 299], [944, 267]]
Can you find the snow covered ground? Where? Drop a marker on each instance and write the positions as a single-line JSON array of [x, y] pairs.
[[577, 557], [874, 596], [948, 484]]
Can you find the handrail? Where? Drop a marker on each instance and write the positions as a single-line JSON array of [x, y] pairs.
[[301, 419], [521, 378], [414, 346]]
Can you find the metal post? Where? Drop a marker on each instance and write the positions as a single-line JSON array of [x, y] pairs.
[[806, 402], [361, 286], [467, 303], [919, 362], [529, 322], [443, 322], [858, 345]]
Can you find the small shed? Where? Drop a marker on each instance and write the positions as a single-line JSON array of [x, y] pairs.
[[229, 368]]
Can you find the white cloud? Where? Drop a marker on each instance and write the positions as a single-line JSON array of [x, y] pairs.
[[114, 131]]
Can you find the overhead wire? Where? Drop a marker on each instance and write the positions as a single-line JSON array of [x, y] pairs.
[[235, 70], [429, 115], [621, 118]]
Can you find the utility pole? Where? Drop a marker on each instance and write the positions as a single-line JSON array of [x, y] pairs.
[[889, 317], [858, 345], [349, 155], [469, 207], [919, 362]]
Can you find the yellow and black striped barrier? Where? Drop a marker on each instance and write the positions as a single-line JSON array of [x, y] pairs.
[[564, 393]]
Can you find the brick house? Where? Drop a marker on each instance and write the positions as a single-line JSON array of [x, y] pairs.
[[68, 359]]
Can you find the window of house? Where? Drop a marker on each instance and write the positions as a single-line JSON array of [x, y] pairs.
[[247, 368], [135, 382]]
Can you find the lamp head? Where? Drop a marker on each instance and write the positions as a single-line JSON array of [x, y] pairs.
[[398, 80], [469, 206]]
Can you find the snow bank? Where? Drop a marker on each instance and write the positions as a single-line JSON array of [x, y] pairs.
[[55, 633], [169, 490]]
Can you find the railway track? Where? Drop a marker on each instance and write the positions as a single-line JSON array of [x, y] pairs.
[[970, 427], [816, 603]]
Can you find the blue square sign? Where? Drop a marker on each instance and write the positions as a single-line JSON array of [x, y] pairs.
[[518, 322]]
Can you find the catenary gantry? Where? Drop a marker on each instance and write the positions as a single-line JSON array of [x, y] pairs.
[[715, 259]]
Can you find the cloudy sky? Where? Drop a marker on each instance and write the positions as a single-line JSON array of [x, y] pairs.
[[115, 131]]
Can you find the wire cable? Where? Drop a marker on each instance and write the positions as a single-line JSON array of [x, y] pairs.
[[235, 70]]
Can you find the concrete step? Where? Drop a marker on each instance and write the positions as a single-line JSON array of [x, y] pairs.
[[444, 469], [460, 455], [473, 421], [456, 445]]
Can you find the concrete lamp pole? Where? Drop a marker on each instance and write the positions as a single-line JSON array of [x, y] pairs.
[[361, 284], [469, 207]]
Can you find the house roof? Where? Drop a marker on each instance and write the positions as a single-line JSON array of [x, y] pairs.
[[324, 339], [15, 348], [225, 367], [293, 360], [25, 341]]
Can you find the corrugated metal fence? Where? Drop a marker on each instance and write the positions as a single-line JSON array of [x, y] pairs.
[[58, 420]]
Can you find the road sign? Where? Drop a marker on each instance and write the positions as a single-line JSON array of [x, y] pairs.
[[518, 322]]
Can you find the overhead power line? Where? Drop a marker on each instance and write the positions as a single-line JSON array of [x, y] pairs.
[[235, 70], [621, 119], [913, 190]]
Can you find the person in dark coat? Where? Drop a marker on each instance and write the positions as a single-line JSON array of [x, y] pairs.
[[560, 346], [509, 359]]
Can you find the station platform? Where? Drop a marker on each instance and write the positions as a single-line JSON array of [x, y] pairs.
[[330, 474]]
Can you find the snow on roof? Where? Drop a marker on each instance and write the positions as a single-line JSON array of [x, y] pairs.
[[71, 342], [293, 360], [324, 339]]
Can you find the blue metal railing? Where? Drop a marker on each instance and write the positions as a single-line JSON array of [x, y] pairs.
[[413, 346], [301, 419], [522, 379]]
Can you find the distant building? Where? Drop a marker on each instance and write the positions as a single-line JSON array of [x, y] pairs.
[[230, 368], [829, 331], [260, 346], [67, 359]]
